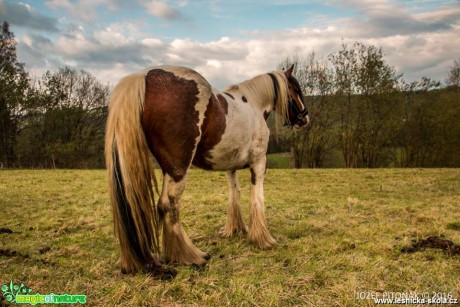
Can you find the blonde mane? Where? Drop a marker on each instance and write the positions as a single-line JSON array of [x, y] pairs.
[[262, 87]]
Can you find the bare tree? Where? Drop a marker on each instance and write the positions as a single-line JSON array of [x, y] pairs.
[[68, 120], [365, 90], [453, 78]]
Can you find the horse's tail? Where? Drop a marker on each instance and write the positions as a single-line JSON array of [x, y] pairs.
[[130, 171]]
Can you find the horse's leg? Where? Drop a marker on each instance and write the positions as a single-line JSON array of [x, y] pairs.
[[176, 244], [258, 232], [234, 222]]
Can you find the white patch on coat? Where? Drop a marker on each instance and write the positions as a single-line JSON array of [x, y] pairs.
[[245, 138]]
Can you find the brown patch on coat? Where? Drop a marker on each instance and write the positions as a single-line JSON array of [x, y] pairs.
[[229, 95], [213, 128], [170, 120], [244, 99], [253, 176]]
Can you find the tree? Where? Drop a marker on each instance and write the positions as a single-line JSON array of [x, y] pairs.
[[14, 86], [453, 78], [67, 121], [429, 134], [365, 90], [414, 143], [311, 143]]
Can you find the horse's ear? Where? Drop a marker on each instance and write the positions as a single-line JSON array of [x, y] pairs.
[[288, 72]]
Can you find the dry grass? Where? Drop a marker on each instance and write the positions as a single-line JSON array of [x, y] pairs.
[[338, 232]]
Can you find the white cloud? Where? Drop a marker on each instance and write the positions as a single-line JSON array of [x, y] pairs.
[[24, 15], [162, 10], [416, 44], [84, 10]]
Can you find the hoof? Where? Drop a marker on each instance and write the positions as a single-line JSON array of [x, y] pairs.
[[199, 261], [262, 240], [207, 257]]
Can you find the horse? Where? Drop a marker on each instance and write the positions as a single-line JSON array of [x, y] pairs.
[[173, 114]]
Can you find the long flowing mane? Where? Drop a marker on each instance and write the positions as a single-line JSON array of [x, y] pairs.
[[253, 88]]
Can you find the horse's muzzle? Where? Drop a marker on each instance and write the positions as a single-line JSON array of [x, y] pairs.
[[302, 122]]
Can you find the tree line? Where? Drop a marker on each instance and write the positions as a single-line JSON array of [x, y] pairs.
[[363, 114], [55, 121]]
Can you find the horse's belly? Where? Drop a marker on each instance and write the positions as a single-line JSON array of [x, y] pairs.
[[230, 158], [224, 156]]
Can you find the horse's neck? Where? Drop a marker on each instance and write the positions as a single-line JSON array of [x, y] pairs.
[[260, 97]]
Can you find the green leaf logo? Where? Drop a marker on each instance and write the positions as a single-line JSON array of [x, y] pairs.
[[12, 290]]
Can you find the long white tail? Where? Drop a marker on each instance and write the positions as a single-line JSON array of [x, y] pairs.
[[130, 173]]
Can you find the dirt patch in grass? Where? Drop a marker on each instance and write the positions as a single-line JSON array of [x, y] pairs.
[[434, 242], [160, 272], [9, 253], [44, 250], [5, 230]]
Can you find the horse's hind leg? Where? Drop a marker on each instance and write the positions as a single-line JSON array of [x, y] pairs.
[[177, 245], [258, 233], [235, 223]]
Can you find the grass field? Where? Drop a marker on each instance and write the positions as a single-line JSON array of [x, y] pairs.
[[277, 160], [341, 234]]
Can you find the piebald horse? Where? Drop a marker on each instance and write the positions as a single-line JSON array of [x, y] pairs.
[[174, 114]]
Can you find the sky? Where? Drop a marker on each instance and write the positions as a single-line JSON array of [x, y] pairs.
[[229, 41]]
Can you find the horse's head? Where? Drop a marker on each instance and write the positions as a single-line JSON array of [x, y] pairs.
[[297, 110]]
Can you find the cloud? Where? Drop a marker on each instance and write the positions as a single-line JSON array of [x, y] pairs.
[[85, 10], [108, 54], [382, 18], [416, 44], [23, 15], [162, 10], [190, 52]]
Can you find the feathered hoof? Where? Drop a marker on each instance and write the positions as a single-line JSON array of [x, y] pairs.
[[202, 266], [262, 240], [192, 256]]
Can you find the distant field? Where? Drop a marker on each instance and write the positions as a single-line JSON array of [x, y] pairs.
[[279, 160], [343, 236]]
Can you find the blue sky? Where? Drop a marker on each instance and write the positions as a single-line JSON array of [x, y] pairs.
[[229, 41]]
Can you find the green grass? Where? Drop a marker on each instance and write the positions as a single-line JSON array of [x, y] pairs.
[[339, 232], [278, 160]]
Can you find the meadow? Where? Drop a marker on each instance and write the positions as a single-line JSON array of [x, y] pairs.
[[343, 236]]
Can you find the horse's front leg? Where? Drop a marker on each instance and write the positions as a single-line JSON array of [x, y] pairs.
[[258, 233], [235, 223]]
